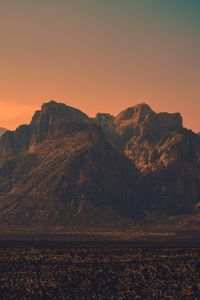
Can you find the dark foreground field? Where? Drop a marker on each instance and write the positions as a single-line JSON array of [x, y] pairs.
[[101, 270]]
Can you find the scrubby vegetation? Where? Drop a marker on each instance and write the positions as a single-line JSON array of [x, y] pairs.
[[98, 271]]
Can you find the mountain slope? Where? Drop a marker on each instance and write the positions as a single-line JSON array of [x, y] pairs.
[[66, 169], [61, 170], [53, 120], [163, 151]]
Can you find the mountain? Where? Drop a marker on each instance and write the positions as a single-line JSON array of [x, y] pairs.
[[166, 154], [53, 120], [137, 126], [61, 170], [66, 169], [2, 131]]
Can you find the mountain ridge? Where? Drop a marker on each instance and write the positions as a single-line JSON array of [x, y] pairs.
[[124, 166], [64, 172]]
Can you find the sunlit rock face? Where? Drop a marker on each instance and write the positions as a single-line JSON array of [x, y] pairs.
[[138, 129], [164, 152]]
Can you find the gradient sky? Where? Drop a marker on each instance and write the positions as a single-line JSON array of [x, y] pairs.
[[99, 55]]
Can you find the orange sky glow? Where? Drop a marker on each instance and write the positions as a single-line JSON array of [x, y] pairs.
[[100, 56]]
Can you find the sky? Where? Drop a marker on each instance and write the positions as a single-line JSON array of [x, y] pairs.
[[99, 56]]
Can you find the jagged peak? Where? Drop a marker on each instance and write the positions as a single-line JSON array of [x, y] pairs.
[[141, 108], [53, 105], [143, 114], [60, 110], [134, 115]]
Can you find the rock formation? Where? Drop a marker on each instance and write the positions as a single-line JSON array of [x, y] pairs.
[[61, 170], [65, 168]]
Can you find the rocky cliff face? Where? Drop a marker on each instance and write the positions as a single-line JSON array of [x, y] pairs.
[[53, 120], [164, 152], [61, 170], [65, 168], [139, 125]]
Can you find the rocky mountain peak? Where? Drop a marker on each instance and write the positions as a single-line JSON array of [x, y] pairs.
[[54, 119], [53, 110], [143, 115], [63, 169], [52, 104], [133, 115]]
